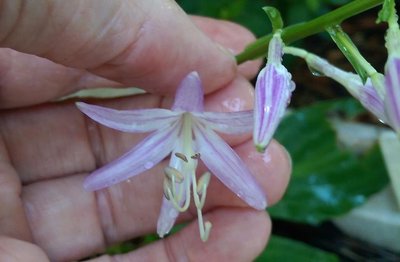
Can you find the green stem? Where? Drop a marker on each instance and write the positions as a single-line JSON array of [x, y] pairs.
[[298, 31]]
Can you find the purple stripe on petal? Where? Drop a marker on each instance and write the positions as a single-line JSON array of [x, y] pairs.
[[140, 120], [392, 99], [189, 95], [148, 153], [228, 123], [227, 166], [370, 99]]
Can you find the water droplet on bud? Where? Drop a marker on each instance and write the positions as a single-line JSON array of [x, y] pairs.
[[315, 71], [148, 165]]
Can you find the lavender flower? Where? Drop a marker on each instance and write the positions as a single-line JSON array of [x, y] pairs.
[[366, 93], [272, 95], [392, 73], [185, 132], [392, 98]]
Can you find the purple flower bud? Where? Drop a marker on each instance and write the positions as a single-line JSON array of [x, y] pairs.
[[392, 87], [272, 95]]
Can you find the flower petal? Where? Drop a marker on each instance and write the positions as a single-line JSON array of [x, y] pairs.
[[140, 120], [371, 100], [273, 91], [366, 93], [167, 218], [228, 123], [227, 166], [169, 213], [142, 157], [392, 98], [189, 95]]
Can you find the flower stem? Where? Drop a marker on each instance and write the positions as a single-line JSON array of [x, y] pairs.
[[298, 31]]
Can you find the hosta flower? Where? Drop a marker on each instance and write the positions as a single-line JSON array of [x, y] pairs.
[[365, 93], [186, 133], [392, 86], [272, 94], [392, 73]]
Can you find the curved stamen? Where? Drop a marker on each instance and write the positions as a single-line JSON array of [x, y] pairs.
[[201, 189], [176, 201]]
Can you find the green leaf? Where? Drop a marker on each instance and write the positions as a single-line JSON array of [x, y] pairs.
[[327, 180], [387, 11], [349, 50], [121, 248], [274, 17], [283, 249]]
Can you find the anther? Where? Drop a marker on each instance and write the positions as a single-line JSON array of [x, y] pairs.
[[173, 174], [167, 186], [206, 233], [195, 156], [181, 156], [203, 182]]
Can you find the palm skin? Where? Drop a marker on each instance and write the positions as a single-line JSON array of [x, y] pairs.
[[46, 149]]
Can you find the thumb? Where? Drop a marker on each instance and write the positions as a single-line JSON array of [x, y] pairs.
[[151, 44], [20, 251]]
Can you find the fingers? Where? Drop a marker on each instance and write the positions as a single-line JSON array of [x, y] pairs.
[[13, 222], [43, 80], [237, 235], [151, 44], [231, 36], [19, 251], [69, 223]]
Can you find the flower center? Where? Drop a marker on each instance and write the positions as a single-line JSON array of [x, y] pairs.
[[180, 182]]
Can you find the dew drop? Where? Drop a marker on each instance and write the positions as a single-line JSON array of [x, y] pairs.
[[315, 72], [148, 165]]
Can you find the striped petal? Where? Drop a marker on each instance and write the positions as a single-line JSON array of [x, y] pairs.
[[371, 100], [366, 93], [189, 95], [142, 157], [272, 95], [139, 120], [392, 98], [228, 123], [227, 166]]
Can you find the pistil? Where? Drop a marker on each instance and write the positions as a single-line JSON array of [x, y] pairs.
[[178, 181]]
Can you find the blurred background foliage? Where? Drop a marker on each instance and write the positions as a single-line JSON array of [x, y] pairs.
[[249, 13]]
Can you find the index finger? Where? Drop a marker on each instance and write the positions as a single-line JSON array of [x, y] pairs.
[[151, 44]]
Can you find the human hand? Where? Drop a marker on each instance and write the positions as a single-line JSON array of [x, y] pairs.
[[48, 148]]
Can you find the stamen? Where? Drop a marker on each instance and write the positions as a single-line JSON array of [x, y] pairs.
[[204, 228], [166, 186], [173, 174], [175, 200], [203, 182], [181, 156], [196, 156], [200, 189]]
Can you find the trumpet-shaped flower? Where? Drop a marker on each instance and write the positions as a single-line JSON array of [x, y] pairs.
[[186, 133], [365, 93], [272, 94], [392, 73], [392, 87]]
